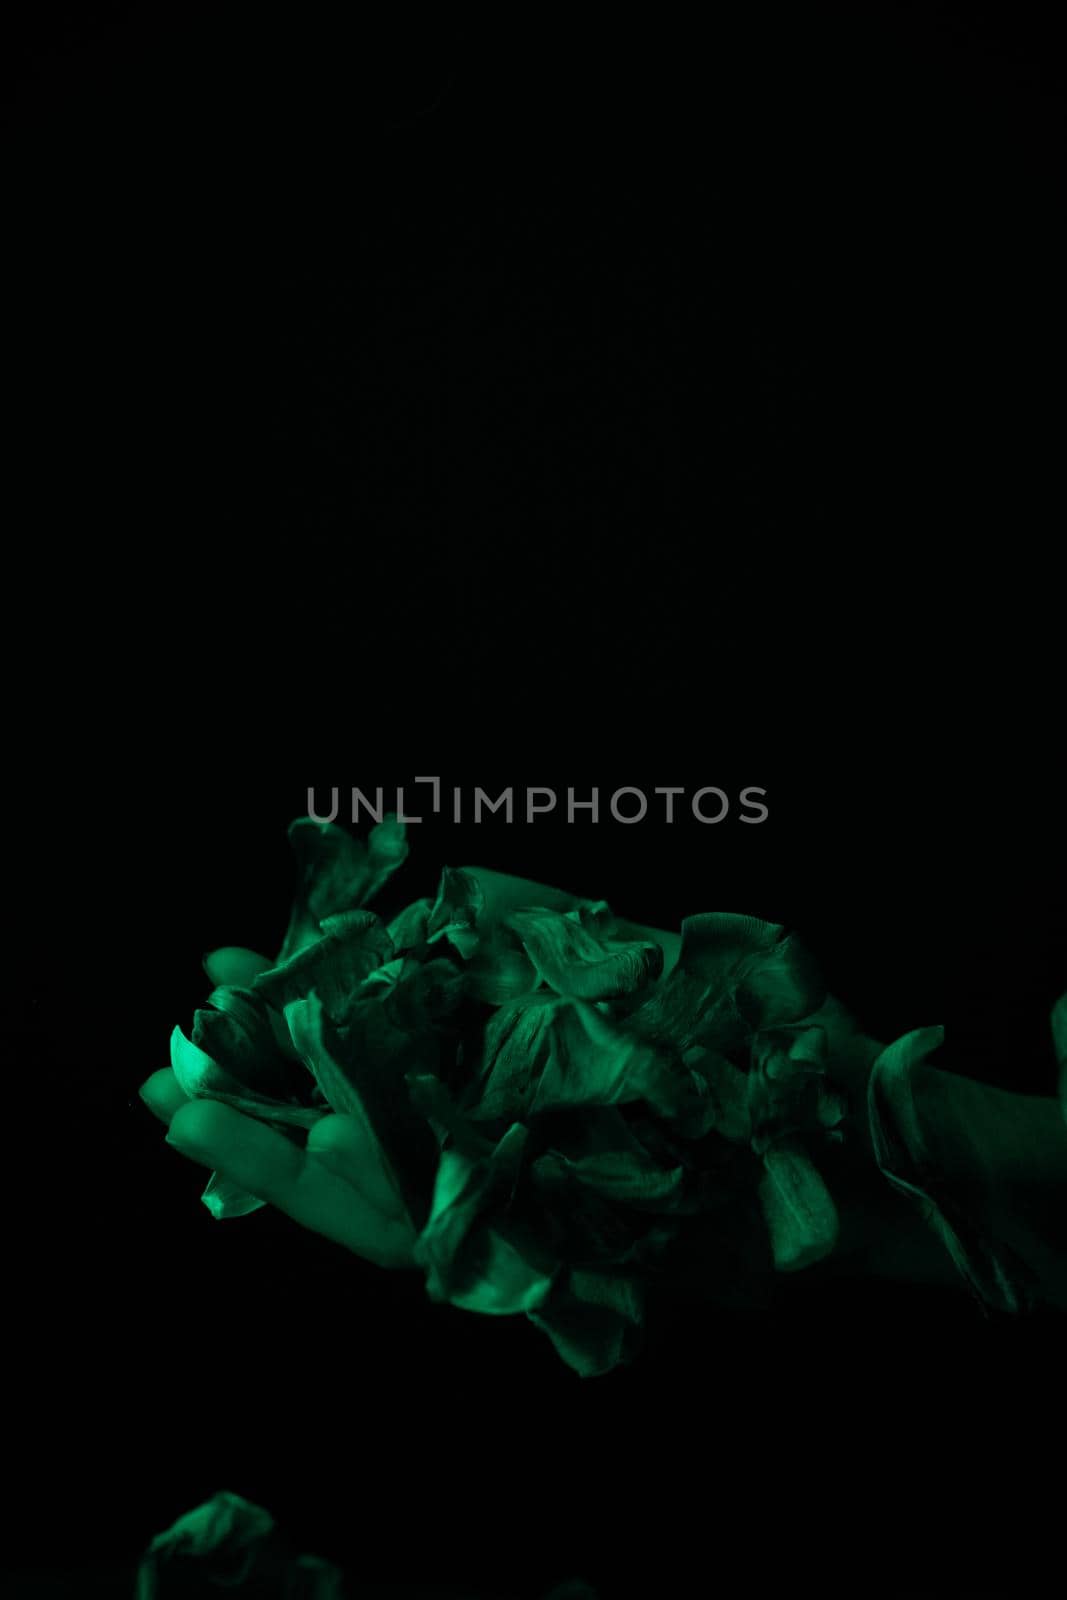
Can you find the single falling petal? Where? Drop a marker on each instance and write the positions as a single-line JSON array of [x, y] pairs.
[[225, 1199]]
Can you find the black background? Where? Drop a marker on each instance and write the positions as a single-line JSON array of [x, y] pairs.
[[528, 406]]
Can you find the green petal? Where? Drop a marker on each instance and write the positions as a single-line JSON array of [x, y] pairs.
[[383, 977], [574, 961], [432, 1099], [594, 1320], [424, 995], [629, 1177], [312, 1578], [716, 945], [904, 1154], [197, 1074], [230, 1544], [225, 1199], [246, 1036], [799, 1211], [222, 1536], [789, 1092], [544, 1053], [319, 1047], [202, 1078], [387, 850], [613, 1065], [516, 1045], [734, 976], [455, 913], [507, 1284], [337, 873], [408, 928], [498, 969], [727, 1092], [790, 1054], [781, 986], [351, 946], [596, 915], [361, 1069], [454, 1247]]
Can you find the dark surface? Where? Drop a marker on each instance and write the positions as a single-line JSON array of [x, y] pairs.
[[555, 411]]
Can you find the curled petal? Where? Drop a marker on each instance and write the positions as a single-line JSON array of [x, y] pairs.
[[361, 1070], [781, 986], [543, 1053], [202, 1078], [408, 929], [716, 945], [455, 913], [734, 976], [351, 945], [244, 1034], [337, 873], [574, 961], [197, 1073]]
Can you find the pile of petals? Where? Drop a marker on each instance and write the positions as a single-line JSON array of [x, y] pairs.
[[567, 1126]]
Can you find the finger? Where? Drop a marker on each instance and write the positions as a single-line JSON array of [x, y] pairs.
[[162, 1095], [350, 1149], [258, 1159], [234, 967]]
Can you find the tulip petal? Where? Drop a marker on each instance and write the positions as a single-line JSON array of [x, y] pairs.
[[455, 913], [453, 1249], [351, 945], [543, 1053], [508, 1284], [338, 873], [408, 929], [249, 1039], [229, 1543], [593, 1319], [574, 961], [225, 1199], [219, 1539], [361, 1069], [201, 1078], [800, 1214], [904, 1152]]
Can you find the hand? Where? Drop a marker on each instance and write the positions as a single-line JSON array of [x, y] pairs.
[[335, 1186]]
